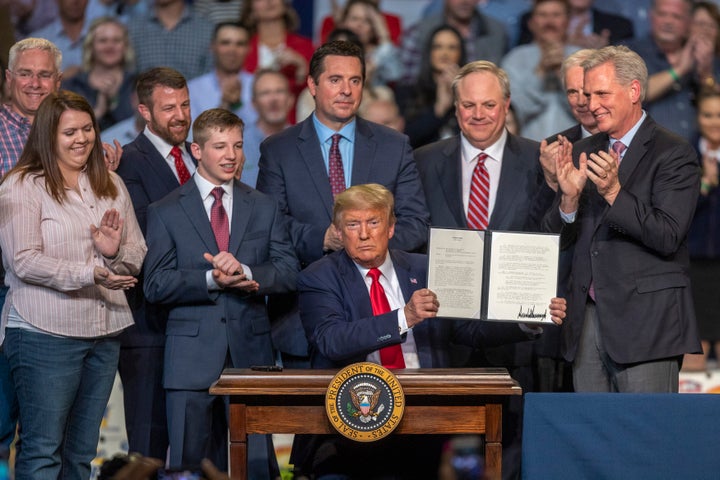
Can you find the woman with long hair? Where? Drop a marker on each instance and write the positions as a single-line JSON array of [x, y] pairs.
[[70, 245]]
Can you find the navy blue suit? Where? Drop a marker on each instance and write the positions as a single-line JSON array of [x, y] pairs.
[[148, 178], [210, 330], [337, 316], [293, 172]]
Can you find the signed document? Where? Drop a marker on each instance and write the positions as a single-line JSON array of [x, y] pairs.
[[493, 275]]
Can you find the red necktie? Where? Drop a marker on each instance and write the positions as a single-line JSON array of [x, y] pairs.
[[335, 167], [392, 356], [182, 171], [219, 220], [478, 203]]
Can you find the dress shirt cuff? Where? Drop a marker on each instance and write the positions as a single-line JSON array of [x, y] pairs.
[[567, 217], [247, 271], [210, 280], [402, 321]]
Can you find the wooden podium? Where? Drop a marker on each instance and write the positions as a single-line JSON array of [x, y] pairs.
[[445, 401]]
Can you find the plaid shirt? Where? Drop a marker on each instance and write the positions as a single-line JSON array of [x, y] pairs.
[[14, 132], [186, 47]]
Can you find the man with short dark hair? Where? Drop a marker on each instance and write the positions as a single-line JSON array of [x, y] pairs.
[[228, 85], [152, 165], [306, 165]]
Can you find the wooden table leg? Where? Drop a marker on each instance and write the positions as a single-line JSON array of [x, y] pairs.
[[238, 442], [493, 441]]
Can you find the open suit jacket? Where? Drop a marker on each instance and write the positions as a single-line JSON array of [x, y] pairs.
[[148, 178], [521, 201], [337, 315], [203, 326], [635, 251], [293, 172]]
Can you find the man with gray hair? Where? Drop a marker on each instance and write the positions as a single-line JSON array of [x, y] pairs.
[[625, 202], [33, 73]]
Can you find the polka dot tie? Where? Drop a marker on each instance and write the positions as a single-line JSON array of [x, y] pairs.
[[335, 170], [219, 220], [182, 171]]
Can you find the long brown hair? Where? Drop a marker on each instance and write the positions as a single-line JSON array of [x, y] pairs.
[[40, 154]]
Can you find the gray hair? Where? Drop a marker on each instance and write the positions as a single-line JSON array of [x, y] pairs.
[[628, 65], [574, 60], [487, 67], [34, 44]]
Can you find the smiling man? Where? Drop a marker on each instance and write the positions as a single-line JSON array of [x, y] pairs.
[[306, 165], [216, 247], [625, 203]]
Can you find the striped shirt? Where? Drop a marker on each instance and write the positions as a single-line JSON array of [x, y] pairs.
[[14, 132], [50, 258]]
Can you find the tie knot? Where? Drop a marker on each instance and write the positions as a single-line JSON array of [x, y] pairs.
[[218, 192], [618, 147], [374, 273], [175, 152], [335, 140], [481, 158]]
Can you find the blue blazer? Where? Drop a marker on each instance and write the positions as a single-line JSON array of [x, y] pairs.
[[337, 316], [148, 178], [635, 251], [293, 172], [203, 326]]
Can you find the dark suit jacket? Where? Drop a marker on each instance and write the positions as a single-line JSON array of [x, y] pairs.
[[203, 326], [148, 178], [635, 251], [521, 201], [292, 171], [338, 320], [620, 27], [521, 184], [573, 134]]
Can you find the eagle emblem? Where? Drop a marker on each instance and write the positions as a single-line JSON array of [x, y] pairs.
[[364, 406]]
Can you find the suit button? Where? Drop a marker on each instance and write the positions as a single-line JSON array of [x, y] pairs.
[[584, 289], [595, 253], [222, 320]]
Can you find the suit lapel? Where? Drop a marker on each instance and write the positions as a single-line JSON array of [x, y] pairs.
[[449, 175], [510, 171], [241, 210], [311, 155], [156, 164], [192, 205], [636, 150], [355, 284], [364, 153]]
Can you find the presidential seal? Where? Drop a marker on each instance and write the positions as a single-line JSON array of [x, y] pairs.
[[364, 402]]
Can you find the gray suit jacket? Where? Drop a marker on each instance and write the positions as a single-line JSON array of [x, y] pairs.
[[204, 326], [635, 251]]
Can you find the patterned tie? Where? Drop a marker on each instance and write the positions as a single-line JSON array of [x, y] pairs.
[[219, 220], [182, 171], [392, 356], [478, 203], [335, 170], [619, 148]]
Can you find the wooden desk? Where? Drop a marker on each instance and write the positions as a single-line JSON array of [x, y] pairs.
[[446, 401]]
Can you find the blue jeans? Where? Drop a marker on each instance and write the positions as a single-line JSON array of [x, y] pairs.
[[8, 399], [63, 386]]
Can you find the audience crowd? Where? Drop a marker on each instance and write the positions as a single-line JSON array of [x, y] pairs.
[[369, 99]]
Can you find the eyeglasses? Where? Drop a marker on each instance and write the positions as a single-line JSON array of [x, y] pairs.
[[27, 75]]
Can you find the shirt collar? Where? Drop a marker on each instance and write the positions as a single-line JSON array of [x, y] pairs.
[[324, 132], [206, 187], [386, 268], [628, 137], [494, 151], [161, 145]]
